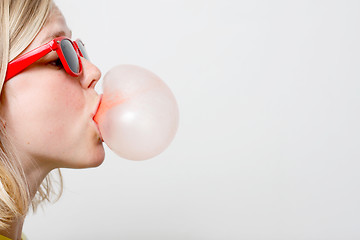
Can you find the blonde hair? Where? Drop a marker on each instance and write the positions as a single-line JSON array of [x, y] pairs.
[[20, 22]]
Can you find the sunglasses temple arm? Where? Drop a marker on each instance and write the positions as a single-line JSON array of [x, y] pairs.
[[19, 64]]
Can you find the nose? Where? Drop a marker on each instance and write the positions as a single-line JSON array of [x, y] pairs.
[[91, 74]]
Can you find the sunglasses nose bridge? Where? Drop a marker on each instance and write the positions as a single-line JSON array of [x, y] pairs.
[[81, 48]]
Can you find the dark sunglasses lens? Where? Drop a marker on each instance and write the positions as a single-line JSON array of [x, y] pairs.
[[82, 49], [70, 55]]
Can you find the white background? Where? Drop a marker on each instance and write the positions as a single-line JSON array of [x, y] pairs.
[[268, 141]]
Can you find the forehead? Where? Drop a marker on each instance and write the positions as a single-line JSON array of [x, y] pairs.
[[54, 26]]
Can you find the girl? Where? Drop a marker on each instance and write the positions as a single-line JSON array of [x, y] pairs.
[[47, 106]]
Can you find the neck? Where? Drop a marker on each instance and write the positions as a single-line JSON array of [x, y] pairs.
[[15, 230], [35, 174]]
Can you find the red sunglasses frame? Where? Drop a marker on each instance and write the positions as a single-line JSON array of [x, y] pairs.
[[19, 64]]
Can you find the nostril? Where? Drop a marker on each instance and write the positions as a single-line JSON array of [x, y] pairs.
[[92, 84]]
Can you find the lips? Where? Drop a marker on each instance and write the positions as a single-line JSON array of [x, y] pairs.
[[97, 107], [94, 114]]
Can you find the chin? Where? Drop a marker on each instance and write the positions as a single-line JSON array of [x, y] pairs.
[[91, 159], [97, 158]]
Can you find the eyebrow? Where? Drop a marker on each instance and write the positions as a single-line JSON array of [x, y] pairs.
[[55, 35]]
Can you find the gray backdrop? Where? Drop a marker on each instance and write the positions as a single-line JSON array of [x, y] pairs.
[[268, 142]]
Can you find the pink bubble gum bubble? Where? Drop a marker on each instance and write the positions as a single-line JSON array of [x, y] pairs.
[[138, 115]]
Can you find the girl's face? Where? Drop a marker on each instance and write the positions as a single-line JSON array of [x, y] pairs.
[[48, 113]]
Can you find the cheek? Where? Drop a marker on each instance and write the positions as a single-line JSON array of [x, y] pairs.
[[59, 102], [45, 112], [56, 103]]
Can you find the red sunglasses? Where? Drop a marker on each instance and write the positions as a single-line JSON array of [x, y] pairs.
[[68, 51]]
